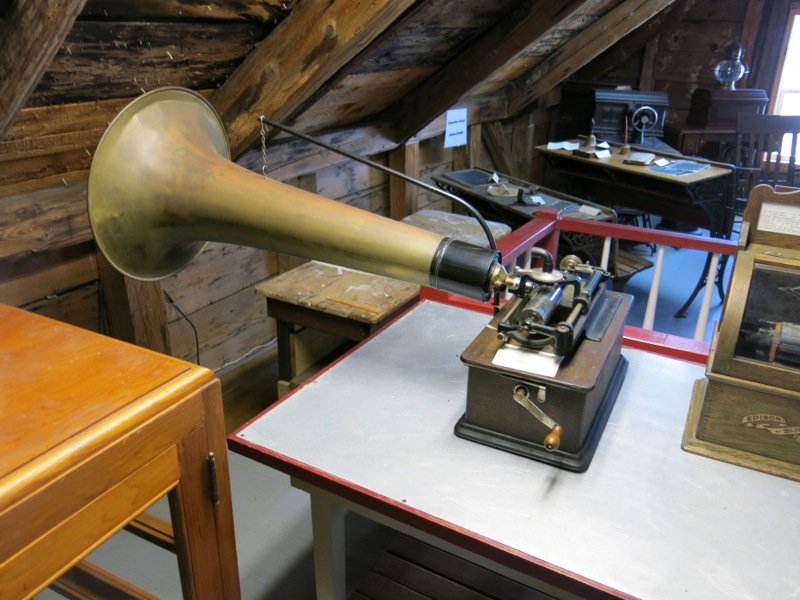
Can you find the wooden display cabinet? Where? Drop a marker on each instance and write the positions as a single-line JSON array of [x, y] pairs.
[[92, 432], [747, 409]]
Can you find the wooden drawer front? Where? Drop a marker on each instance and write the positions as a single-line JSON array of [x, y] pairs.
[[33, 567]]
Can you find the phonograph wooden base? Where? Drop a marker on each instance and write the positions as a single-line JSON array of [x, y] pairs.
[[578, 460], [578, 396]]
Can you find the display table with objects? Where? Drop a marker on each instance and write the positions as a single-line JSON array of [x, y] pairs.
[[374, 434], [92, 432], [695, 192]]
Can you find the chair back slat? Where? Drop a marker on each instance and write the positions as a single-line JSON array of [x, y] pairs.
[[762, 152]]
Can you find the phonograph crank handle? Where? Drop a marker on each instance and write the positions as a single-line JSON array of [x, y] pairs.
[[522, 397]]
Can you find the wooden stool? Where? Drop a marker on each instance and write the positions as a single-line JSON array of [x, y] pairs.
[[92, 432], [341, 302]]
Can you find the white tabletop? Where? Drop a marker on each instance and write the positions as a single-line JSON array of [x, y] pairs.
[[647, 518]]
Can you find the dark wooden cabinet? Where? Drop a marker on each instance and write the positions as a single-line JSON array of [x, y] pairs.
[[718, 108], [710, 128], [582, 104]]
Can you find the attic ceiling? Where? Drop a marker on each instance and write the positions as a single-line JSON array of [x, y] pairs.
[[67, 66]]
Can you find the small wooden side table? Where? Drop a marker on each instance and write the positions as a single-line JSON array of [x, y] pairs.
[[342, 302], [92, 432]]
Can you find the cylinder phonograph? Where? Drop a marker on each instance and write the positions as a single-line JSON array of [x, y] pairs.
[[161, 185], [746, 410]]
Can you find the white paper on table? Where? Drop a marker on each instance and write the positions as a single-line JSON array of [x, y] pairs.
[[565, 145]]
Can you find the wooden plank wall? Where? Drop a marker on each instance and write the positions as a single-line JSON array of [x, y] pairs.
[[679, 55], [688, 51], [47, 256], [48, 264]]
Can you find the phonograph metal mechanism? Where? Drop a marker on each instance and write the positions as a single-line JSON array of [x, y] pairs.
[[545, 372], [162, 184]]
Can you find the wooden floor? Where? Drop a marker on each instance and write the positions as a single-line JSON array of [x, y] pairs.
[[412, 570]]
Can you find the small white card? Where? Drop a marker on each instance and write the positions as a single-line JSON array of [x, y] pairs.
[[602, 153], [529, 361], [779, 218], [589, 210], [455, 130], [566, 145]]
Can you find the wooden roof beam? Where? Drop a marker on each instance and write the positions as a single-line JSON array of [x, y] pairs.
[[30, 35], [641, 37], [581, 49], [285, 70], [523, 26]]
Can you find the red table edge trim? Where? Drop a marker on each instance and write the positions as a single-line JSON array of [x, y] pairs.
[[521, 562]]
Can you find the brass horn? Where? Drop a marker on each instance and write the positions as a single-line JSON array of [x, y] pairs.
[[161, 184]]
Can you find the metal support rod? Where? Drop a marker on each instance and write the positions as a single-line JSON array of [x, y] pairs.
[[407, 178]]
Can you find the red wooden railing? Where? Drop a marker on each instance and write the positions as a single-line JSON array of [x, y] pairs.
[[544, 230]]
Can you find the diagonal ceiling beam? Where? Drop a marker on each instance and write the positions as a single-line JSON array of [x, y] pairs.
[[639, 38], [526, 24], [30, 35], [286, 69], [580, 49]]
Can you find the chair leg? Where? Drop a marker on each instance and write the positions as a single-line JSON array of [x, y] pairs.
[[701, 283]]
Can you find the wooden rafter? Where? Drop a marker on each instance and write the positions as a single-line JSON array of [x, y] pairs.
[[30, 35], [525, 25], [284, 71], [581, 49]]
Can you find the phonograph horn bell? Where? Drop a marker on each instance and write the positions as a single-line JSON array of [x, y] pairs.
[[162, 184]]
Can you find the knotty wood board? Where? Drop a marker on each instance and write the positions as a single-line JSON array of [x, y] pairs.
[[227, 329], [339, 291], [219, 271], [44, 220], [101, 59]]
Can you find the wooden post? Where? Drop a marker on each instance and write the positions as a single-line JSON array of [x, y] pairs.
[[136, 310], [403, 197], [498, 147], [469, 155], [522, 146], [647, 75]]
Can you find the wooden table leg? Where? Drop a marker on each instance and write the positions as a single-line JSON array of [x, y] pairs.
[[283, 333], [327, 519], [201, 509]]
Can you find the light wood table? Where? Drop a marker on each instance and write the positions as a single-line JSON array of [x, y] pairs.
[[701, 199], [92, 432], [342, 302]]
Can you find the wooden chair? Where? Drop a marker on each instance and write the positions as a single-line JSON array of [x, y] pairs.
[[761, 155]]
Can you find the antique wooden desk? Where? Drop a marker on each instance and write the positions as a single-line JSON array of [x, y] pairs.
[[702, 199], [93, 431], [374, 434]]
